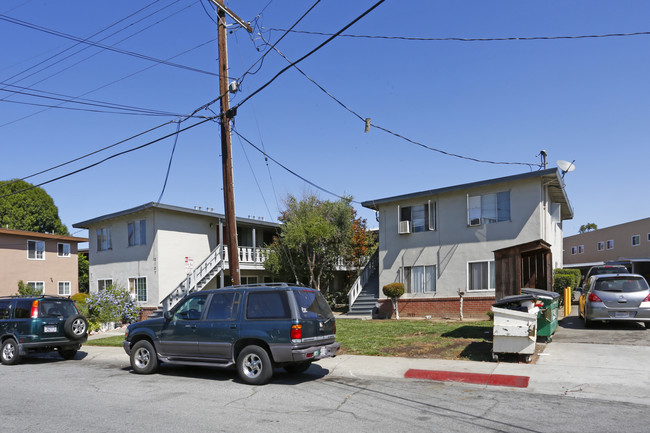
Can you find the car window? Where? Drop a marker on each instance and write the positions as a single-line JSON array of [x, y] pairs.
[[312, 304], [191, 309], [267, 305], [56, 308], [624, 285], [222, 306], [4, 309], [23, 309]]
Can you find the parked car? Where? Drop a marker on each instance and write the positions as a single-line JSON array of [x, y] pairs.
[[40, 324], [606, 269], [255, 327], [620, 297]]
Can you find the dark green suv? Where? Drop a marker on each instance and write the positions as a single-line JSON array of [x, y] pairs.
[[40, 324], [255, 327]]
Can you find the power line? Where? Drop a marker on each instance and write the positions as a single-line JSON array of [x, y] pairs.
[[171, 158], [512, 38]]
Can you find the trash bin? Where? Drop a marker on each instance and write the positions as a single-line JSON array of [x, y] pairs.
[[514, 331], [547, 317]]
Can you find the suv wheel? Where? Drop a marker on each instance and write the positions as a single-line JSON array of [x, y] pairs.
[[9, 354], [75, 327], [297, 367], [254, 365], [143, 358]]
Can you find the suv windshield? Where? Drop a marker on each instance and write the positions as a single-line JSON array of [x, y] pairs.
[[621, 285], [56, 308], [312, 304]]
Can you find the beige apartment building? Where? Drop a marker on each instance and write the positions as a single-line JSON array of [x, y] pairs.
[[41, 260], [627, 243]]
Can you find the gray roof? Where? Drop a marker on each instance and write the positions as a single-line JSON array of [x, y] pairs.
[[551, 177], [151, 205]]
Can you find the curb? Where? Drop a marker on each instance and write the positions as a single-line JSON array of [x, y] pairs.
[[475, 378]]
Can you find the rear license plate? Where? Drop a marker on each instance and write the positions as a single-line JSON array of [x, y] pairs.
[[50, 328], [621, 314]]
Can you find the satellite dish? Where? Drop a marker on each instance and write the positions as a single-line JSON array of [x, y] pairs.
[[566, 166]]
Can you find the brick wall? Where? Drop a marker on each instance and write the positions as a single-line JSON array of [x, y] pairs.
[[473, 308], [146, 312]]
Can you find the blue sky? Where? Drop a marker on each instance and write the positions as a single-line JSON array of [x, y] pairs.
[[579, 99]]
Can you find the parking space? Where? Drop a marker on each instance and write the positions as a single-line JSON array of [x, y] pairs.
[[571, 329]]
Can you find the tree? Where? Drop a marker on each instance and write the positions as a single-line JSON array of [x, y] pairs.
[[83, 273], [32, 210], [314, 236], [394, 291], [27, 290], [587, 228]]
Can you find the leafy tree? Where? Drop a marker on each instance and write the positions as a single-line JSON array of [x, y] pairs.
[[314, 236], [83, 273], [32, 210], [587, 228], [27, 290], [394, 291]]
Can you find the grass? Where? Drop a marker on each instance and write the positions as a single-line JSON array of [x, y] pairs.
[[408, 338]]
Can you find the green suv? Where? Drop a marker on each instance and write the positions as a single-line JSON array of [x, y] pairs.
[[254, 327], [40, 324]]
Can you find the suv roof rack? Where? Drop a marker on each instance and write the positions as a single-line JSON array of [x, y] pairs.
[[34, 296]]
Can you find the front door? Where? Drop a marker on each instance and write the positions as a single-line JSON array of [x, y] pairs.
[[178, 337], [219, 330]]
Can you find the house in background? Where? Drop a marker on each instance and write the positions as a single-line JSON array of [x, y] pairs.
[[480, 240], [161, 252], [44, 261], [627, 244]]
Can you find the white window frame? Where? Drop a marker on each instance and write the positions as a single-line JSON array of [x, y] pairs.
[[65, 253], [38, 254], [610, 244], [600, 246], [430, 220], [490, 277], [33, 284], [478, 204], [104, 239], [407, 278], [133, 290], [638, 240], [69, 286], [136, 232], [105, 280]]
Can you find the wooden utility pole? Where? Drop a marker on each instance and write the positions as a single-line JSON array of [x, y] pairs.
[[226, 147]]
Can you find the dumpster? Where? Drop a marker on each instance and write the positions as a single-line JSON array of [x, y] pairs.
[[547, 317], [515, 326]]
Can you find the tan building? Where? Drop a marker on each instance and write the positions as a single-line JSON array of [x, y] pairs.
[[42, 260], [627, 243]]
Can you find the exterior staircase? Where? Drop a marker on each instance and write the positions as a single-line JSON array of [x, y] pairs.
[[364, 294], [197, 280]]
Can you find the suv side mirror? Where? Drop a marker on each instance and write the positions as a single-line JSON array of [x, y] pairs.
[[168, 315]]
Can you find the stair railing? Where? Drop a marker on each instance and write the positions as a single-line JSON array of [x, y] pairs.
[[368, 270]]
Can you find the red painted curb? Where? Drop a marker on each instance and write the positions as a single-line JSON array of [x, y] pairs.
[[475, 378]]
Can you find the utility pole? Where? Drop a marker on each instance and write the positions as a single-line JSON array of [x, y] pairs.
[[226, 147]]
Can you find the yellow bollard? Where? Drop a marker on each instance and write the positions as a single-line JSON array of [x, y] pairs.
[[567, 301]]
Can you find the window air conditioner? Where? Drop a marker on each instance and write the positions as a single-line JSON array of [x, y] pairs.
[[404, 227]]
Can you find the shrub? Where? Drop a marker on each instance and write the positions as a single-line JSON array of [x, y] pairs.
[[336, 298], [81, 301], [394, 291], [27, 290], [113, 304], [563, 278]]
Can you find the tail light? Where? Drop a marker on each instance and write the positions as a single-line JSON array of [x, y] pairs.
[[296, 332], [34, 314], [335, 325], [594, 298], [647, 298]]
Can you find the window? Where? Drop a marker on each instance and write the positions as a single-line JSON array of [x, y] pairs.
[[63, 250], [248, 280], [36, 250], [636, 240], [581, 249], [64, 288], [420, 218], [137, 233], [610, 245], [480, 276], [221, 307], [37, 285], [104, 239], [267, 305], [574, 250], [191, 309], [138, 288], [419, 279], [5, 309], [23, 309], [488, 208], [600, 246], [102, 284]]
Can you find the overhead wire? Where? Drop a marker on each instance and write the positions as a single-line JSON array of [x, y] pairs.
[[171, 158]]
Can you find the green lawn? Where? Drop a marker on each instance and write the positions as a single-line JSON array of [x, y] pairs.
[[409, 338]]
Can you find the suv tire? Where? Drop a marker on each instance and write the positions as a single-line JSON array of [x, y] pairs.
[[9, 354], [254, 365], [143, 358], [76, 327], [297, 367]]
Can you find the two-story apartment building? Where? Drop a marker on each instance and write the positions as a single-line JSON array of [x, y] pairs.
[[477, 240], [627, 243], [44, 261], [156, 249]]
